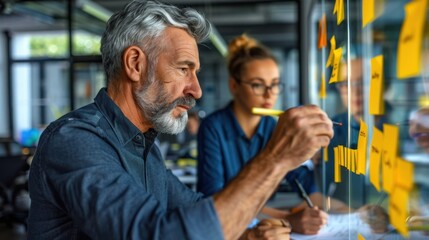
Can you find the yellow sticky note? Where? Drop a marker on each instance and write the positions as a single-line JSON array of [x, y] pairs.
[[354, 153], [346, 158], [335, 7], [361, 148], [390, 151], [336, 65], [330, 61], [352, 160], [375, 157], [376, 97], [398, 210], [325, 154], [340, 155], [337, 169], [367, 12], [340, 12], [410, 40], [322, 91], [360, 237], [405, 170], [322, 37]]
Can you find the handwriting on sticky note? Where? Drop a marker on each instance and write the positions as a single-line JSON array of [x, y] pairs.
[[362, 145], [336, 65], [376, 96], [410, 39], [390, 151], [375, 157]]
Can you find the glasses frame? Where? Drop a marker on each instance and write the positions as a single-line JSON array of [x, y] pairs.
[[266, 88]]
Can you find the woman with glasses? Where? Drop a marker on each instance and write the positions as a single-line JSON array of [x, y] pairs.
[[230, 137]]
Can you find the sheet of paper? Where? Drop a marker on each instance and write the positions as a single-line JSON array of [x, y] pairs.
[[404, 169], [376, 96], [410, 40], [361, 148], [390, 151], [340, 226], [368, 12], [330, 60], [322, 38], [322, 91], [375, 157]]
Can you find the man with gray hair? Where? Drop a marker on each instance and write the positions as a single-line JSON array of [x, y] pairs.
[[97, 173]]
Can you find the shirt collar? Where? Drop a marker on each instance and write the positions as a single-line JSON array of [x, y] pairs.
[[237, 130], [124, 129]]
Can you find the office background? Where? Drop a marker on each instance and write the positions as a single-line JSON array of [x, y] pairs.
[[50, 62]]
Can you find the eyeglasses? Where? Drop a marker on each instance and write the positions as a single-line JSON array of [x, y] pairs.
[[260, 88]]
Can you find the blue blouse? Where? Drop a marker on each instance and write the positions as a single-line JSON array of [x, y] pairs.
[[224, 149], [96, 176]]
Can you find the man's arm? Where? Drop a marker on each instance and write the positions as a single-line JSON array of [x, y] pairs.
[[300, 132]]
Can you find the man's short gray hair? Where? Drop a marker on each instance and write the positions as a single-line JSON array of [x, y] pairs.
[[141, 24]]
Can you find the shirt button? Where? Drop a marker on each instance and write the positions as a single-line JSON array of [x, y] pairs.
[[138, 138]]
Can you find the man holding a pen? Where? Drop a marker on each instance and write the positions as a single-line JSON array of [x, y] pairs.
[[230, 137], [97, 173]]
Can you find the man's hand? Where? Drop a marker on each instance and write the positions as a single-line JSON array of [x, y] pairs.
[[307, 220], [275, 229], [299, 134]]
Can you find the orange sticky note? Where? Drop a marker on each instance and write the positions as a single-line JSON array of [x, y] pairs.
[[376, 97], [375, 157], [367, 12], [410, 39], [398, 210], [360, 237], [330, 61], [337, 169], [361, 148], [390, 150], [322, 91], [336, 65], [322, 38], [405, 170]]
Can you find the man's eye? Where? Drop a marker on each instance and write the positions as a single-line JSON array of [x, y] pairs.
[[184, 70]]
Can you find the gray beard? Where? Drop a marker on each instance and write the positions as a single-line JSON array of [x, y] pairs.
[[159, 112]]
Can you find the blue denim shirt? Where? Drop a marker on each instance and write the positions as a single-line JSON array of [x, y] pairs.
[[96, 176]]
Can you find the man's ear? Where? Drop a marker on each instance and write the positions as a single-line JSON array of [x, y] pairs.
[[135, 63]]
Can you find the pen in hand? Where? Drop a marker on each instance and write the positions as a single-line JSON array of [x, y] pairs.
[[273, 112], [303, 194]]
